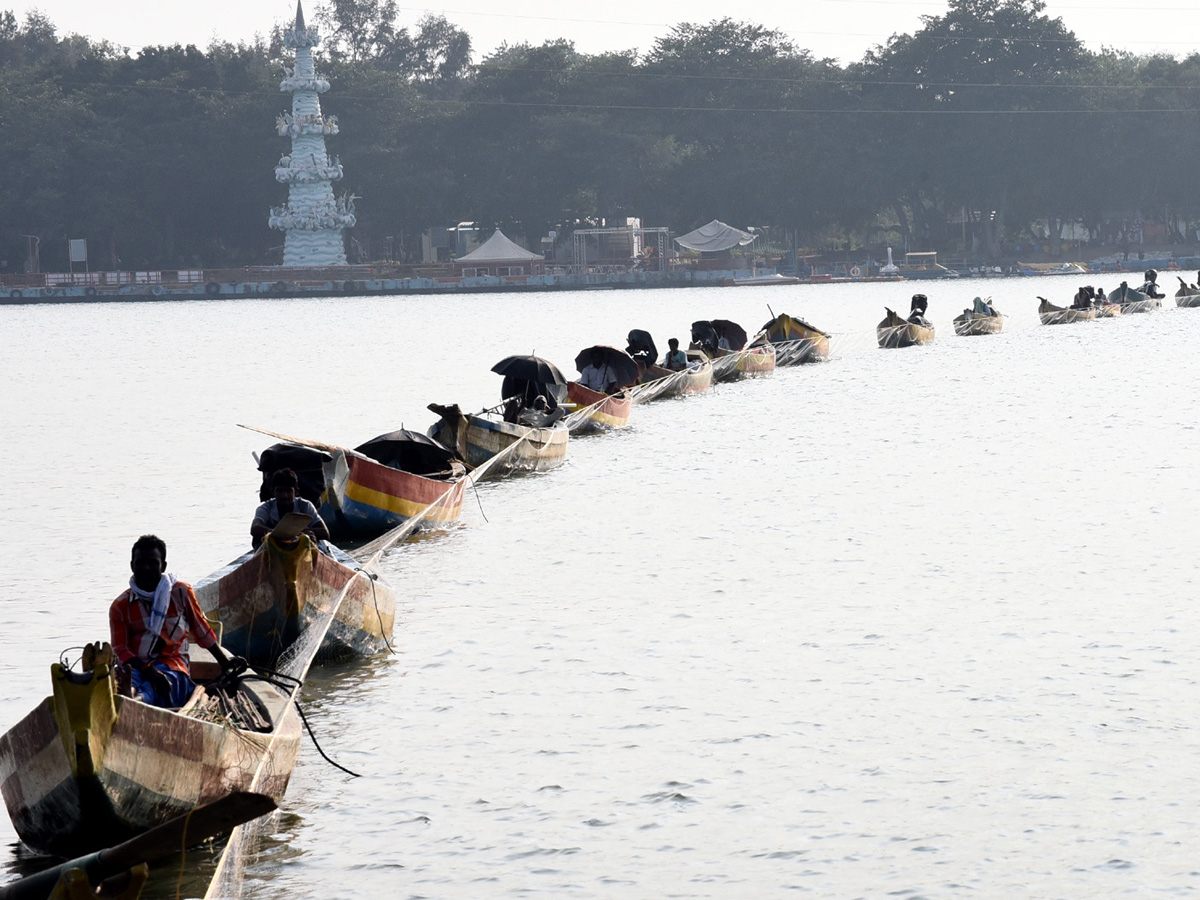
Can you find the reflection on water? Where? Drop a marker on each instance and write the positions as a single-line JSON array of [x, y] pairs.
[[915, 622]]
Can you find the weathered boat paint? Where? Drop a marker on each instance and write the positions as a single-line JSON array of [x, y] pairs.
[[266, 598], [604, 412], [895, 331], [968, 324], [364, 498], [795, 341]]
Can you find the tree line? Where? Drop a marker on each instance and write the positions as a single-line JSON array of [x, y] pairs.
[[985, 124]]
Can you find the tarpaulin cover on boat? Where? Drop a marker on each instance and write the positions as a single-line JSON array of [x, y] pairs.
[[714, 237], [409, 451]]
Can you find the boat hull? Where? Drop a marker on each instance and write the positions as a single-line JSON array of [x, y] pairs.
[[267, 598], [1108, 310], [735, 365], [364, 498], [795, 341], [608, 412], [1187, 299], [87, 769], [967, 326], [1058, 315], [658, 383], [894, 332]]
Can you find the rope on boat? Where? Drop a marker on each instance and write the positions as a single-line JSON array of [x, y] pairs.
[[286, 683]]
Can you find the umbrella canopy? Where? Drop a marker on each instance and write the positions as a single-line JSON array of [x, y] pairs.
[[409, 451], [530, 368], [641, 344], [528, 391], [731, 331], [704, 334], [621, 364]]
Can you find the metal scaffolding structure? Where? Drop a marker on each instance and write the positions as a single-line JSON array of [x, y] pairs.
[[633, 242]]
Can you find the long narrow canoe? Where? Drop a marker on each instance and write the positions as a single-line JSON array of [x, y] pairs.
[[598, 411], [1059, 315], [1134, 301], [88, 768], [968, 324], [753, 362], [1187, 296], [795, 341], [477, 438], [360, 497], [266, 598], [895, 331], [658, 382], [1106, 310]]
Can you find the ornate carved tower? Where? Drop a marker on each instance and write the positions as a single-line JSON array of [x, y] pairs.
[[312, 220]]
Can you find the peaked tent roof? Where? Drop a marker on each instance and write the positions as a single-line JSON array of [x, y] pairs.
[[498, 248], [714, 236]]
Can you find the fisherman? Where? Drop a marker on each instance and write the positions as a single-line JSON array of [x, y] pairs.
[[597, 375], [1101, 299], [285, 485], [1150, 287], [981, 307], [920, 303], [675, 360], [1083, 298], [149, 625]]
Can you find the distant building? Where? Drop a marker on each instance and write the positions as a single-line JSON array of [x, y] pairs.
[[499, 256], [441, 245]]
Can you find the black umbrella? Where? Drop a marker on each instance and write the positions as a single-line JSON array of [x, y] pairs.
[[530, 368], [641, 346], [705, 335], [622, 366], [528, 391], [732, 332], [409, 451]]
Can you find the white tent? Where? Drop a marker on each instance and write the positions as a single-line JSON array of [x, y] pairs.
[[498, 248], [714, 237]]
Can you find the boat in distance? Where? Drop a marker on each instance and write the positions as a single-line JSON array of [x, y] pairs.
[[1060, 315], [596, 411], [266, 598], [477, 437], [658, 382], [1134, 301], [752, 362], [895, 331], [364, 492], [967, 324], [89, 767], [795, 341], [1187, 295]]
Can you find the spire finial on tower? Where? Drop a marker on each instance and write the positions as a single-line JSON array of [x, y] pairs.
[[299, 16]]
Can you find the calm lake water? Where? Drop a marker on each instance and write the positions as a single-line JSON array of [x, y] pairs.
[[918, 623]]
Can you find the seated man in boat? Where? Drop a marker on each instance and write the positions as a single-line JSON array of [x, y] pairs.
[[149, 625], [1101, 298], [1083, 298], [285, 484], [1150, 287], [981, 307], [597, 375], [675, 360], [920, 303]]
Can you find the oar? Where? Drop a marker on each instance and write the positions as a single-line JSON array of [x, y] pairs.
[[316, 445], [202, 823]]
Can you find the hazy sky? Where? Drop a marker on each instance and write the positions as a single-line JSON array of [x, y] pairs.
[[843, 29]]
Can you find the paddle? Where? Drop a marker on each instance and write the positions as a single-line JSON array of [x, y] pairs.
[[199, 825], [291, 526]]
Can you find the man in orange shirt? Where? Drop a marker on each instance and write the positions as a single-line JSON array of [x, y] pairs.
[[150, 623]]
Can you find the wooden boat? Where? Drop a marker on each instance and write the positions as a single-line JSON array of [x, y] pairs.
[[971, 323], [795, 341], [127, 863], [265, 599], [595, 411], [895, 331], [87, 767], [1059, 315], [1187, 295], [752, 362], [1134, 301], [658, 382], [364, 492], [478, 437], [1106, 310]]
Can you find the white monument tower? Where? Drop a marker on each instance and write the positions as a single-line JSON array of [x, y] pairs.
[[312, 221]]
